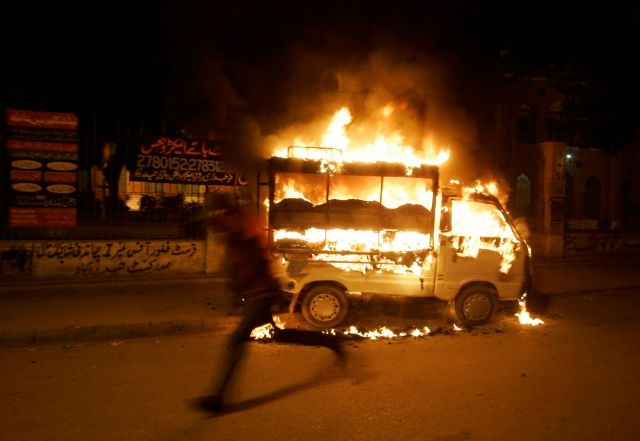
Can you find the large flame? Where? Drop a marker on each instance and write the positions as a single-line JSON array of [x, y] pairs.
[[477, 226], [384, 146], [359, 250]]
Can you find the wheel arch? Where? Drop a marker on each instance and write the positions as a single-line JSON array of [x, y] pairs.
[[473, 283], [305, 290]]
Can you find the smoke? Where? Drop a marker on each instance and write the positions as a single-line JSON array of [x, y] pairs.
[[255, 96], [426, 109]]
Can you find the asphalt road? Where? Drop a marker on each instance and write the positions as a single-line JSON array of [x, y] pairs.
[[573, 378]]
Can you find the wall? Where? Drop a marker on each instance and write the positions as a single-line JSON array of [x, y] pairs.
[[593, 244], [86, 258]]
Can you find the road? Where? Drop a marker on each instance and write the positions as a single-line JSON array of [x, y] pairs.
[[573, 378]]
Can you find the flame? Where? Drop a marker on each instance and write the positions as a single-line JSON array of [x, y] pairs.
[[263, 332], [477, 226], [385, 332], [381, 250], [524, 317], [267, 331], [385, 146], [396, 191], [289, 190], [336, 134]]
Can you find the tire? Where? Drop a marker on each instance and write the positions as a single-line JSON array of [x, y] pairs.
[[325, 306], [475, 305]]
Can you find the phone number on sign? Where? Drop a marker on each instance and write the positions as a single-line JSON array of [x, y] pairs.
[[182, 164]]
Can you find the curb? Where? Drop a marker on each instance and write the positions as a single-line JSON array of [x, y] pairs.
[[35, 281], [597, 291], [85, 334]]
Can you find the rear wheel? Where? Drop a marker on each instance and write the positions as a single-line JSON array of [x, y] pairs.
[[475, 305], [325, 306]]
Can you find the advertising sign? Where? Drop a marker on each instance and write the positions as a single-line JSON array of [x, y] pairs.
[[42, 154], [179, 161]]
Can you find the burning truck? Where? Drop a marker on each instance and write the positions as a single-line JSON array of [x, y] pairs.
[[349, 230]]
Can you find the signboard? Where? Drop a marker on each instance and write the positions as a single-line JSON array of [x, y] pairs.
[[179, 161], [42, 153]]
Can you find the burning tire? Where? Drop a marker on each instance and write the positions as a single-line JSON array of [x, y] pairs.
[[325, 306], [475, 305]]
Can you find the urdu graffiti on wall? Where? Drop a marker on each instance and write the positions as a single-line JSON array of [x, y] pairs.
[[600, 243], [104, 258]]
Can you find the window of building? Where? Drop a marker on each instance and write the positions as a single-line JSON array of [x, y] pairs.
[[556, 123], [523, 196], [526, 125]]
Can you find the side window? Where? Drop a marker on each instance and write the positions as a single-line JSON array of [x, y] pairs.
[[478, 219]]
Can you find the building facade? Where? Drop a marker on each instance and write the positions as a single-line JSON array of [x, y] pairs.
[[566, 194]]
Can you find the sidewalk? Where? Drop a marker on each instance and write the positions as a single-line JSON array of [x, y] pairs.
[[571, 276], [58, 311], [67, 311]]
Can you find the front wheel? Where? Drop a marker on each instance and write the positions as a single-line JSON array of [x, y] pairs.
[[475, 305], [325, 306]]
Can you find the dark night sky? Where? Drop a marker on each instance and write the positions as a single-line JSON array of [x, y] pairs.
[[204, 63]]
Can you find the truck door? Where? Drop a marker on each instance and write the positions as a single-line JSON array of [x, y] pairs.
[[415, 280], [479, 244]]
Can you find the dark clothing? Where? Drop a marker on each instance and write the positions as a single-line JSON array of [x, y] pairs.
[[247, 253], [251, 278]]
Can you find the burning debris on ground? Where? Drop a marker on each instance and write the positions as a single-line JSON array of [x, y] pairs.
[[399, 331]]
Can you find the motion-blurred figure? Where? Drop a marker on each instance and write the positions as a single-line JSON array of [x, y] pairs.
[[251, 279]]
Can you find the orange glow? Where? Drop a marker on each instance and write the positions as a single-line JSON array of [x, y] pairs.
[[383, 146], [479, 226], [524, 317]]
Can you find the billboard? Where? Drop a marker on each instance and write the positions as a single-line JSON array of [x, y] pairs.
[[179, 161], [42, 155]]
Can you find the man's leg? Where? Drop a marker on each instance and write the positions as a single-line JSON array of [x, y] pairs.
[[257, 312]]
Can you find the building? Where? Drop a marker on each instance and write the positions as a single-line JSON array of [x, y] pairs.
[[575, 198]]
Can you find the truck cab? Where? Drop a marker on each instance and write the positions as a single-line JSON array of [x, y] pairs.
[[348, 231]]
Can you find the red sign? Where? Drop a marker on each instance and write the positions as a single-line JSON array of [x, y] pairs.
[[60, 177], [42, 217], [41, 120], [23, 175], [42, 154], [18, 144]]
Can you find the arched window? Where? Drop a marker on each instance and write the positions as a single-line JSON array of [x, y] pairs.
[[592, 198], [556, 122], [523, 196]]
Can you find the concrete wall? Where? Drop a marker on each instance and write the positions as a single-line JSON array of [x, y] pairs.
[[98, 258], [598, 244]]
